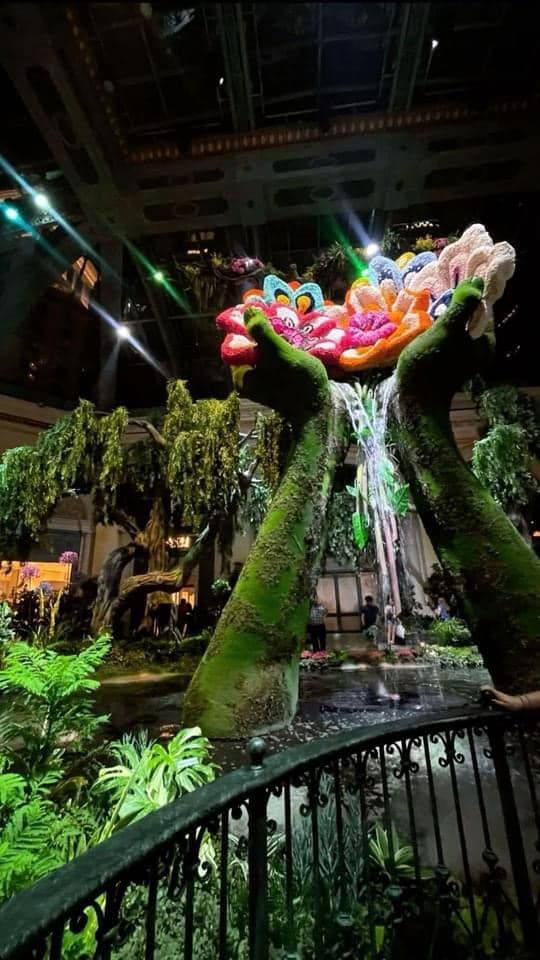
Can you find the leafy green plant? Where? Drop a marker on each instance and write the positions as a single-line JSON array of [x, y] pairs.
[[394, 860], [453, 656], [451, 632], [50, 704], [502, 458], [149, 775], [35, 836], [340, 541]]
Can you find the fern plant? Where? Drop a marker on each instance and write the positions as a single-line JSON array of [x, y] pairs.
[[51, 704], [149, 775], [35, 837]]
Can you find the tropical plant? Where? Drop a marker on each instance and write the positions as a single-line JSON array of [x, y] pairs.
[[341, 544], [149, 775], [389, 855], [50, 704], [451, 632]]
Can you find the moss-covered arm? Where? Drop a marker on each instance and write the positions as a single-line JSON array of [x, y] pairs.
[[496, 573], [247, 682]]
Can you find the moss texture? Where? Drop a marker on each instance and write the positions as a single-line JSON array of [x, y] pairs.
[[247, 682], [496, 572]]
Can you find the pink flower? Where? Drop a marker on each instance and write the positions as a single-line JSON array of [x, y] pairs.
[[368, 327], [316, 333]]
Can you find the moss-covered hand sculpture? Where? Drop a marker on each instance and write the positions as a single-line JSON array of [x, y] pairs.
[[496, 572], [248, 680]]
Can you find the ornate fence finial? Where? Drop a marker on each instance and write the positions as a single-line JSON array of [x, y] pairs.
[[257, 751]]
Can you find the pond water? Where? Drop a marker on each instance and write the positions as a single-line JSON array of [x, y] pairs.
[[329, 701]]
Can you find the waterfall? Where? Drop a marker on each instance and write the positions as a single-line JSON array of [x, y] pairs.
[[368, 413]]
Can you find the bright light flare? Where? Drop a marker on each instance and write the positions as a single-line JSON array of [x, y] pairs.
[[372, 249], [41, 201], [123, 332], [11, 213]]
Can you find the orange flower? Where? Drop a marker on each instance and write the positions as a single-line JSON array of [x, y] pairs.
[[405, 314]]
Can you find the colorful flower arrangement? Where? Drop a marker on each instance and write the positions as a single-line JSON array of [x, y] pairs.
[[321, 659], [382, 313]]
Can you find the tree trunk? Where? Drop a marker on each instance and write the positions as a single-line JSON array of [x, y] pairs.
[[165, 581], [498, 575], [108, 584], [247, 682]]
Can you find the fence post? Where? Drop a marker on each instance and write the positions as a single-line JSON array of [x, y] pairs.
[[516, 849], [258, 862]]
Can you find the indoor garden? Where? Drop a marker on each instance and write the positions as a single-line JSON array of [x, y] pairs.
[[269, 578]]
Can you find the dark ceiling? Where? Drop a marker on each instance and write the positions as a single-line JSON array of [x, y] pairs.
[[159, 77]]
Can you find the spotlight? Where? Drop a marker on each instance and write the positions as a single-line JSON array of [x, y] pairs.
[[158, 276], [221, 81], [11, 213], [372, 249], [41, 200], [434, 44], [122, 331]]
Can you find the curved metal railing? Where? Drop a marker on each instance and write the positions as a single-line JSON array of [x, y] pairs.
[[390, 841]]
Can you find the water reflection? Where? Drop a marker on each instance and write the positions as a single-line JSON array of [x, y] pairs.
[[329, 702]]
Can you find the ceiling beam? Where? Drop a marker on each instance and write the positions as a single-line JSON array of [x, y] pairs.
[[415, 17], [237, 74]]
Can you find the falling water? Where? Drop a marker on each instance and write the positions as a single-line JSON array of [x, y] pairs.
[[372, 454]]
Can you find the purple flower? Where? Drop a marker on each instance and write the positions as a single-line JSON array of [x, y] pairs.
[[29, 571], [46, 587], [69, 556]]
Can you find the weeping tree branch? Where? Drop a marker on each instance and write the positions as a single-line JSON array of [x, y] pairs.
[[150, 429]]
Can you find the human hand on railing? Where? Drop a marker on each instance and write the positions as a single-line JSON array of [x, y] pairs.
[[524, 701]]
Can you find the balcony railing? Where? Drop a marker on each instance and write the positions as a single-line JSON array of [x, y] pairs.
[[394, 841]]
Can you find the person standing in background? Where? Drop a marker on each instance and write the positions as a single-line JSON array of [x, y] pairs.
[[390, 621], [317, 626], [442, 612]]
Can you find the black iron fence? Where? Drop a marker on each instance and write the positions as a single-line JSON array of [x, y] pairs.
[[388, 842]]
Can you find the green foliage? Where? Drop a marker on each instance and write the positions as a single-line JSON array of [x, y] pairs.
[[501, 460], [51, 704], [270, 432], [149, 775], [393, 860], [81, 452], [202, 453], [451, 632], [453, 656], [85, 453], [340, 542], [256, 500], [35, 837], [360, 528]]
